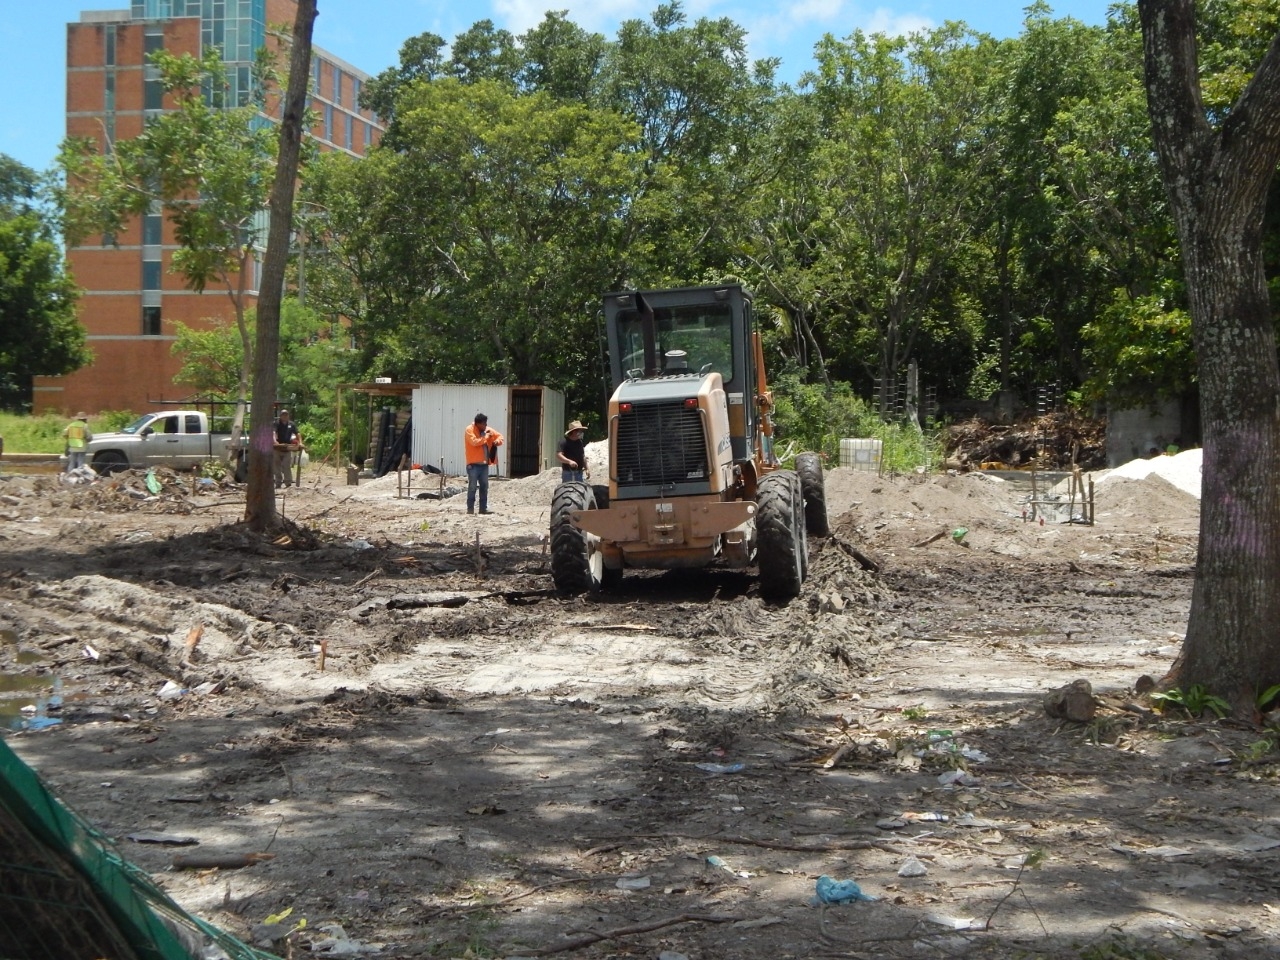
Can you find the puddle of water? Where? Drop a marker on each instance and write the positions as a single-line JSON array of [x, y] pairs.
[[13, 686]]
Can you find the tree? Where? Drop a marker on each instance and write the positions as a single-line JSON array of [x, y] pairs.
[[205, 165], [483, 241], [1217, 168], [39, 331], [260, 501], [901, 144]]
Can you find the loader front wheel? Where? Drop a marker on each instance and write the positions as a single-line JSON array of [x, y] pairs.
[[778, 536], [809, 467], [577, 565]]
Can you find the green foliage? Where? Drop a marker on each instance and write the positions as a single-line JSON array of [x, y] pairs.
[[25, 433], [39, 331], [1195, 700], [110, 421], [815, 417], [311, 364], [915, 714], [1268, 696], [1140, 349]]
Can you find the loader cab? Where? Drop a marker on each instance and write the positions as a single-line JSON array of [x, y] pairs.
[[688, 333]]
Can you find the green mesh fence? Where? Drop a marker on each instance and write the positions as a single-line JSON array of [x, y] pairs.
[[66, 893]]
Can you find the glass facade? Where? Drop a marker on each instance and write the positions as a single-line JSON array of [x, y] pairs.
[[237, 28]]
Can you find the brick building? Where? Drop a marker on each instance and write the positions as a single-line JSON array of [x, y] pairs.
[[131, 301]]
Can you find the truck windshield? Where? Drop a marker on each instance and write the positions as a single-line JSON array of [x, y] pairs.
[[138, 424], [703, 331]]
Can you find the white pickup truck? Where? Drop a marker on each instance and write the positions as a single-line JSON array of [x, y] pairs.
[[179, 439]]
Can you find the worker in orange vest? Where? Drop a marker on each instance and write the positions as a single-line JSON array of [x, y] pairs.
[[482, 450]]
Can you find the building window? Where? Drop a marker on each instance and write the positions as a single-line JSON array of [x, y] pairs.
[[152, 42], [151, 274], [355, 91], [328, 122], [110, 40], [315, 74], [151, 232], [108, 239], [152, 95], [151, 321], [348, 143], [368, 136], [109, 92]]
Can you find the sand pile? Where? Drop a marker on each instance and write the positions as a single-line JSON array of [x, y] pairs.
[[1181, 470]]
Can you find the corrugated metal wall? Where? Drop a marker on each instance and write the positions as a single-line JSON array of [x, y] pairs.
[[441, 412]]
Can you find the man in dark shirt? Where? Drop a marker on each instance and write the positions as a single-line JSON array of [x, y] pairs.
[[287, 444], [572, 454]]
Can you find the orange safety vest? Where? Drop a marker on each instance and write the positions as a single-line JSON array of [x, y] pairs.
[[478, 445]]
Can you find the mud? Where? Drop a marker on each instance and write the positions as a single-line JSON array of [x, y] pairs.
[[446, 758]]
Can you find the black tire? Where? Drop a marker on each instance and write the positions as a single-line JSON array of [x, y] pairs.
[[110, 461], [813, 488], [577, 566], [778, 536], [802, 531]]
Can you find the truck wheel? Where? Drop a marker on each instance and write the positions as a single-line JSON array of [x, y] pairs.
[[577, 565], [778, 536], [110, 461], [809, 467]]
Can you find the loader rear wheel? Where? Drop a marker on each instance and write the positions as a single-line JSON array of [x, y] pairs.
[[577, 565], [809, 467], [778, 536]]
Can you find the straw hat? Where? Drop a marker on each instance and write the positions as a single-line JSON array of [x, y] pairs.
[[82, 415], [576, 425]]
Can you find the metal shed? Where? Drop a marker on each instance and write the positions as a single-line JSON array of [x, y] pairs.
[[531, 418]]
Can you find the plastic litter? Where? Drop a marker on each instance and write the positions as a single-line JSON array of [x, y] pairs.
[[718, 768], [839, 891], [171, 691], [153, 482], [633, 883]]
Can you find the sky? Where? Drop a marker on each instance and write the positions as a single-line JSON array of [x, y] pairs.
[[368, 35]]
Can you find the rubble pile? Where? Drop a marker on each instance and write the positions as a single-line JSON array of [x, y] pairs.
[[1054, 438]]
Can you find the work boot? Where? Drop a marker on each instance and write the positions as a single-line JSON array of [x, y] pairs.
[[471, 510], [486, 511]]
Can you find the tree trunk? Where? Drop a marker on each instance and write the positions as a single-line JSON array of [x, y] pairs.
[[260, 503], [1217, 180]]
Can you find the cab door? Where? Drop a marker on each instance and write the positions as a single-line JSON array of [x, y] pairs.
[[163, 444]]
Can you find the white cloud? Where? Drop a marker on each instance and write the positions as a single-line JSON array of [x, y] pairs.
[[894, 24], [600, 16]]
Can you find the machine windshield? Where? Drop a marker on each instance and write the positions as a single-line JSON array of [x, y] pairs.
[[703, 332]]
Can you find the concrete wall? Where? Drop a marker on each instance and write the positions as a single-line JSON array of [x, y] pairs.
[[1141, 432]]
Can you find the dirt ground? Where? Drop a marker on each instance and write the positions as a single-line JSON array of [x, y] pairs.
[[443, 758]]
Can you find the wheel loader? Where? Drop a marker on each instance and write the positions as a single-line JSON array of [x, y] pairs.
[[693, 477]]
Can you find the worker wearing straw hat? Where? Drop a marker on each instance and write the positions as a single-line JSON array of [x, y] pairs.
[[572, 454]]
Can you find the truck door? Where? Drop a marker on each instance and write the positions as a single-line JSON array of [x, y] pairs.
[[164, 444], [194, 442]]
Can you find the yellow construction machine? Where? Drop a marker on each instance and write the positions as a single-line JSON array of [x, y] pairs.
[[693, 478]]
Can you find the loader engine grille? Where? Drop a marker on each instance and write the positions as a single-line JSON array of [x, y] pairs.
[[661, 443]]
